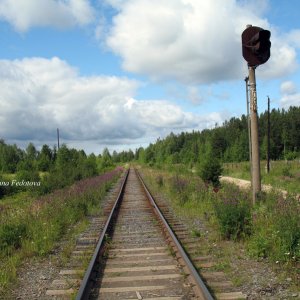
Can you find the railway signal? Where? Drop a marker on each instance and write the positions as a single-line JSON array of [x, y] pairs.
[[256, 45], [256, 51]]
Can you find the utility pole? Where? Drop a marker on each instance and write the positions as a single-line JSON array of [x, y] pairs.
[[256, 51], [249, 125], [57, 138], [268, 138], [256, 183]]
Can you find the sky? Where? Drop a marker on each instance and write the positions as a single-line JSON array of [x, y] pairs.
[[122, 73]]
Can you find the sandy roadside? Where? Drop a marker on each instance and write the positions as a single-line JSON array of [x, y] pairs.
[[246, 184]]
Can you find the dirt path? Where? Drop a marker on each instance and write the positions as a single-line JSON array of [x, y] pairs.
[[246, 184]]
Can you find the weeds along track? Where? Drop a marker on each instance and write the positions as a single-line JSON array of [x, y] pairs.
[[137, 255]]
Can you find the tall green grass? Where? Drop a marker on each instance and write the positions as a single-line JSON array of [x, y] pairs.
[[271, 229], [233, 213], [276, 232], [34, 229]]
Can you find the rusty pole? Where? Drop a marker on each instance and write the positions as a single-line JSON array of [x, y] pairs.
[[249, 125], [256, 183]]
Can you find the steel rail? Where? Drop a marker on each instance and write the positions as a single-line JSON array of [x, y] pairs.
[[83, 292], [198, 280]]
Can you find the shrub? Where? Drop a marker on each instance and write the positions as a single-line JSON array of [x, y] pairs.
[[27, 176], [5, 188], [233, 213], [210, 171], [291, 155], [11, 235], [277, 230], [286, 171], [259, 245]]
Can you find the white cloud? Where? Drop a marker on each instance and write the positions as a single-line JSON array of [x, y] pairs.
[[293, 37], [290, 95], [24, 14], [192, 41], [38, 95], [288, 87], [290, 100]]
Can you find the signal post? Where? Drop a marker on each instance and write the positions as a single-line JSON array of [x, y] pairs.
[[256, 51], [256, 178]]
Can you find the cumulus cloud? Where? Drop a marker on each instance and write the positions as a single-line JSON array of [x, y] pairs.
[[290, 100], [290, 95], [293, 37], [24, 14], [191, 41], [288, 87], [38, 95]]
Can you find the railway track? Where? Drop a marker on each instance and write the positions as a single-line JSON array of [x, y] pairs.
[[138, 256]]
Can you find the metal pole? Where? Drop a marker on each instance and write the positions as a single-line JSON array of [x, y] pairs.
[[256, 184], [268, 138], [249, 126]]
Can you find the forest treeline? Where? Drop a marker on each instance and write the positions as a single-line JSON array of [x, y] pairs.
[[229, 142], [225, 143], [53, 168]]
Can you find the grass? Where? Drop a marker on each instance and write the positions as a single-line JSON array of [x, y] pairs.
[[195, 233], [222, 266], [15, 204], [32, 227], [70, 239], [171, 251]]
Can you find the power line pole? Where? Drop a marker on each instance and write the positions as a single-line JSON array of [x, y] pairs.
[[57, 138], [249, 128], [268, 138]]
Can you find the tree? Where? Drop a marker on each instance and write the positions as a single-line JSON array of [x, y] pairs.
[[10, 156], [218, 143], [31, 152], [45, 158], [106, 160], [210, 171], [90, 166]]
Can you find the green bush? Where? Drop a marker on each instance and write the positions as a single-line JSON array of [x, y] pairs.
[[260, 243], [210, 171], [286, 171], [27, 176], [11, 235], [291, 155], [286, 222], [277, 230], [233, 213], [6, 187]]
